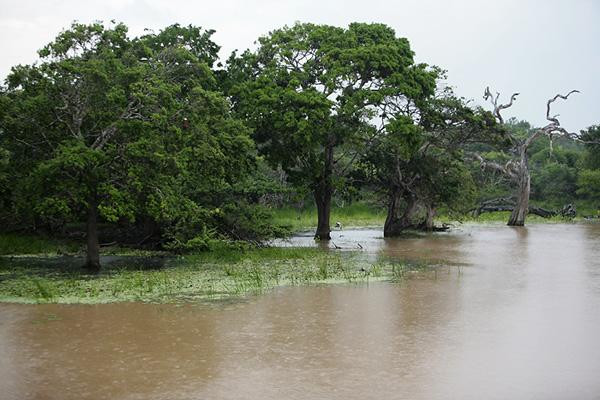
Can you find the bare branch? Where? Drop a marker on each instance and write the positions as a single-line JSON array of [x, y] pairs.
[[554, 128], [534, 136], [487, 95], [131, 112], [507, 169], [552, 100]]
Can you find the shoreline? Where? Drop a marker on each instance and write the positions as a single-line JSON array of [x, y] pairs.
[[160, 277]]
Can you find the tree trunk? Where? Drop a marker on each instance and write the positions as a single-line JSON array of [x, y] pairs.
[[519, 213], [391, 227], [396, 223], [323, 193], [412, 206], [429, 216], [93, 247], [323, 201]]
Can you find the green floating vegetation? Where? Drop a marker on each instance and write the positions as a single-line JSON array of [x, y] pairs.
[[205, 276]]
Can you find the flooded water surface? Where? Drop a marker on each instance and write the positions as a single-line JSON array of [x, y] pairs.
[[511, 313]]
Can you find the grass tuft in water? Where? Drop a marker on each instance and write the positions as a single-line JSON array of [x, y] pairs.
[[204, 276]]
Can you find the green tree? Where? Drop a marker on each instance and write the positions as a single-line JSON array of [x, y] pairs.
[[418, 162], [554, 172], [315, 94], [588, 182], [121, 129], [5, 174], [591, 138]]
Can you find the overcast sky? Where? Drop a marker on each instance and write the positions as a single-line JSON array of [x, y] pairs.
[[537, 48]]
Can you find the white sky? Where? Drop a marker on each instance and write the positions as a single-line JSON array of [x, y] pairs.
[[537, 48]]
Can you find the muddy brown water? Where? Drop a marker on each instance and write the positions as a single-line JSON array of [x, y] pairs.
[[517, 316]]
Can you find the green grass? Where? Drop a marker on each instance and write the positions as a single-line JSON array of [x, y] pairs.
[[189, 278], [362, 215], [14, 244], [354, 215]]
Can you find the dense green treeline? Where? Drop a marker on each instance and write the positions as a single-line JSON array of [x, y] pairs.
[[151, 142]]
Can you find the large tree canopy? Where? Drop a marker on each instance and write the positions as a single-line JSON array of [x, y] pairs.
[[145, 142], [418, 162], [121, 129], [317, 95]]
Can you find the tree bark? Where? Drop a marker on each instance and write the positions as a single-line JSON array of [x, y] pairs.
[[323, 201], [412, 206], [391, 228], [323, 193], [93, 247], [429, 216], [396, 223], [519, 213]]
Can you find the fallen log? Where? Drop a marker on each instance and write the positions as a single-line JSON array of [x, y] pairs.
[[542, 212], [567, 211], [434, 228]]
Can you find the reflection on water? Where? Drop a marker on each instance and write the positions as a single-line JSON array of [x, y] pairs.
[[519, 321]]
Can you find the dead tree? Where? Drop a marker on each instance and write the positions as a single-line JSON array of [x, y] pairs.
[[517, 169]]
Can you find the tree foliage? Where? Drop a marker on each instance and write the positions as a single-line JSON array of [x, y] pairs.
[[315, 94], [129, 129], [418, 161], [143, 139]]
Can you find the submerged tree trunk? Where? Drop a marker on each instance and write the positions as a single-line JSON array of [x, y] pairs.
[[323, 193], [519, 213], [429, 216], [391, 228], [412, 206], [93, 247], [396, 222], [323, 201]]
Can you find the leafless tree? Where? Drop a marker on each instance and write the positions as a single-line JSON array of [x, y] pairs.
[[517, 169]]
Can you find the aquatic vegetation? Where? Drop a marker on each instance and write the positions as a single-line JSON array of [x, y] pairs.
[[212, 275]]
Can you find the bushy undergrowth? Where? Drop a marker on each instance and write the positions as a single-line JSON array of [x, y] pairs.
[[11, 244]]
